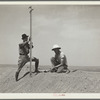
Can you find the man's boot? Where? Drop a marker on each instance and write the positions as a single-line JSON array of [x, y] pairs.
[[36, 66], [16, 76], [36, 69]]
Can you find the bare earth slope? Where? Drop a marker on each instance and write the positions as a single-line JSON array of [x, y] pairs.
[[80, 81]]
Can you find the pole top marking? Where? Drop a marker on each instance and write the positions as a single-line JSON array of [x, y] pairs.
[[30, 8]]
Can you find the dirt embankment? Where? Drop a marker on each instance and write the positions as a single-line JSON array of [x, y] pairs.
[[79, 81]]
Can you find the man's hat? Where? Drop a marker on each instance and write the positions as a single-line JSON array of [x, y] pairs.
[[24, 36], [56, 47]]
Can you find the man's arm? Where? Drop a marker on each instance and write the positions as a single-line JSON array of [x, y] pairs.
[[61, 64], [63, 60], [23, 44], [29, 46], [32, 43]]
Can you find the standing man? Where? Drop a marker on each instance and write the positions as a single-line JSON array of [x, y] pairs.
[[59, 61], [23, 55]]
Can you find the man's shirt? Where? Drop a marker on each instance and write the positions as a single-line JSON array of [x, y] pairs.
[[24, 48], [61, 58]]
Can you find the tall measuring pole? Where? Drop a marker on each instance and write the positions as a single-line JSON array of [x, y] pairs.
[[30, 39]]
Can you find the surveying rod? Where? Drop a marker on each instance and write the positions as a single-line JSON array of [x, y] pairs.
[[30, 39]]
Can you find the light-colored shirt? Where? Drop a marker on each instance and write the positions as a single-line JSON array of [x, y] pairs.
[[61, 58]]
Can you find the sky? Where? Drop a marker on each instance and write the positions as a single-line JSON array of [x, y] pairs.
[[76, 28]]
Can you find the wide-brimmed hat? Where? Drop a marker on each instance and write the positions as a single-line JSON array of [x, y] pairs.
[[56, 47], [24, 36]]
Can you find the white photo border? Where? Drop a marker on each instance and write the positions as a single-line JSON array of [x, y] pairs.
[[49, 95]]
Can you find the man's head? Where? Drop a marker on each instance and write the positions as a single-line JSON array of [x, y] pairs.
[[56, 49], [24, 37]]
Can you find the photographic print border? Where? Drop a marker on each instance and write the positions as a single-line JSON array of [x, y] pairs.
[[61, 96]]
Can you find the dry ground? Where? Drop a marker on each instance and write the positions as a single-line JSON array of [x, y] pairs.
[[83, 80]]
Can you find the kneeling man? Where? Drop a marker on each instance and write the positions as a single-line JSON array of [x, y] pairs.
[[59, 61]]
